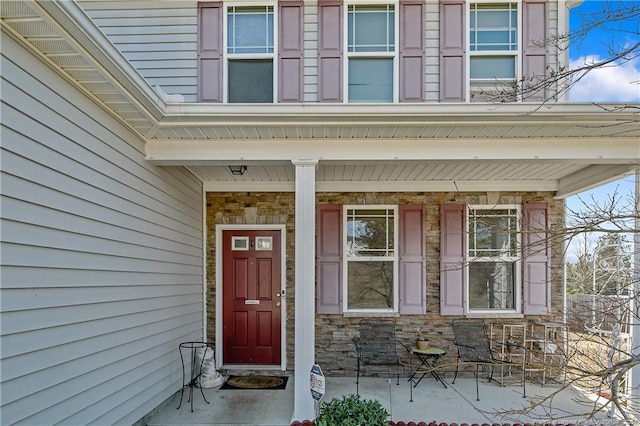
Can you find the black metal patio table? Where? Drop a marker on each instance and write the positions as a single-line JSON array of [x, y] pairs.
[[428, 362]]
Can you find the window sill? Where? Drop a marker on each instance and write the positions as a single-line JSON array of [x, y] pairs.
[[371, 314], [495, 315]]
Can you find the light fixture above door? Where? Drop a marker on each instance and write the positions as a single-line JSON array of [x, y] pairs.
[[237, 170]]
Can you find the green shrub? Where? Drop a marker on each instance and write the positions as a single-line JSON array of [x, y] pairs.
[[351, 410]]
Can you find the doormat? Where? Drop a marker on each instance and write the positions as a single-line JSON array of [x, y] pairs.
[[255, 382]]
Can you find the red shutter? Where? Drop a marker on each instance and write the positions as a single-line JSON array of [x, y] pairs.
[[411, 50], [210, 51], [329, 51], [290, 51], [536, 274], [534, 52], [412, 260], [452, 50], [453, 243], [329, 259]]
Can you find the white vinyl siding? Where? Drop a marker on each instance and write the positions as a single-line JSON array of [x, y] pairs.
[[432, 52], [160, 41], [158, 38], [102, 258], [310, 83]]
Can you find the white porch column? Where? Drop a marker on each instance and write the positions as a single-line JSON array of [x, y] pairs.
[[303, 404]]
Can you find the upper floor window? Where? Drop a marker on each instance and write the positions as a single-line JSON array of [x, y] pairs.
[[493, 258], [371, 53], [493, 51], [371, 258], [250, 54]]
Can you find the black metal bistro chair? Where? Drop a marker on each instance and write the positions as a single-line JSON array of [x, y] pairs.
[[376, 349], [474, 347]]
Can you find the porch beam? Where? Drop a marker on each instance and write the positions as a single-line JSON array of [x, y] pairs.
[[386, 186], [223, 152], [305, 227], [593, 176]]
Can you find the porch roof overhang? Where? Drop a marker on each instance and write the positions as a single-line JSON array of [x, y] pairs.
[[563, 148]]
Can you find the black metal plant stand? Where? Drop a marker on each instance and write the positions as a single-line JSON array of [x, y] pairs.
[[190, 349]]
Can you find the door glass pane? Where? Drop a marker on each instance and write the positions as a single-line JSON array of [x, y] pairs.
[[493, 67], [240, 243], [370, 285], [371, 80], [251, 81], [491, 285], [264, 243]]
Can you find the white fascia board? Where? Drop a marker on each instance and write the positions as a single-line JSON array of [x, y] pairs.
[[202, 152], [387, 186], [249, 186], [197, 114]]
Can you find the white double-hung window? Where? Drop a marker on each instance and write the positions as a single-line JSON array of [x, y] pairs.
[[493, 259], [250, 54], [371, 266], [371, 53], [493, 51]]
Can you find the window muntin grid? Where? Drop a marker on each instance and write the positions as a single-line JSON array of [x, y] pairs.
[[371, 28], [250, 29], [371, 259], [493, 27], [493, 258], [370, 43]]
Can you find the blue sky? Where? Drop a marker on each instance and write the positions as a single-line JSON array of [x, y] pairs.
[[614, 84], [611, 84], [624, 192]]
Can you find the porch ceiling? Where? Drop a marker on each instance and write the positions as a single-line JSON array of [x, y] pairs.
[[427, 147], [563, 178]]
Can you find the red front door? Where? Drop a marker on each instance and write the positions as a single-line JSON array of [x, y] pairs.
[[251, 299]]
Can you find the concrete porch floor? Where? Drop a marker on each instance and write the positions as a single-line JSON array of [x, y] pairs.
[[431, 402]]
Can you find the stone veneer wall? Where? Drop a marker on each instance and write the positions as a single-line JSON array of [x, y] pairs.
[[335, 333]]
